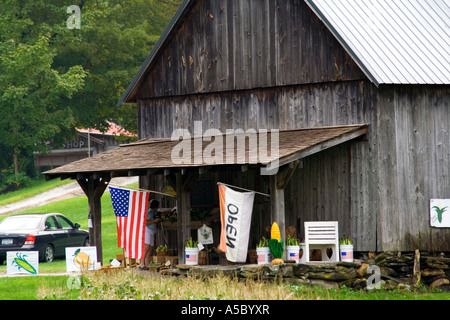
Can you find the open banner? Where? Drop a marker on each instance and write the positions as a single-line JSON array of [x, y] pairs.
[[235, 216]]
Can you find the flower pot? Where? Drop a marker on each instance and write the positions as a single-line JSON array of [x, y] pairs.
[[346, 252], [293, 253], [191, 255], [263, 255]]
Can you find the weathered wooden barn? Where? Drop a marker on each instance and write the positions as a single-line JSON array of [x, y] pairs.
[[381, 71]]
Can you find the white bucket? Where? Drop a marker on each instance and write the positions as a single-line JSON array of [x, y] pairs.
[[346, 252], [293, 253], [191, 255], [263, 255]]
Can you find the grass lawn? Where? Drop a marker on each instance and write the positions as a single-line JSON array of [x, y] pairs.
[[127, 284], [27, 287], [35, 187]]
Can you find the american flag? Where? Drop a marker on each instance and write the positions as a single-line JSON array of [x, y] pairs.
[[293, 255], [191, 257], [130, 208], [262, 257], [347, 254]]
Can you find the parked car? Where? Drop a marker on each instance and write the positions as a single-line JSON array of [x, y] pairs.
[[48, 233]]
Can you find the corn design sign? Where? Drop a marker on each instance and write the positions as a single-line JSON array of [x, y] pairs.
[[440, 213], [22, 262]]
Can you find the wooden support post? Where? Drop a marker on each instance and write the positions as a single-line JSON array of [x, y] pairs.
[[94, 187], [416, 269], [277, 183], [184, 185]]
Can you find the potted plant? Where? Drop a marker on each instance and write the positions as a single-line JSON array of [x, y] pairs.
[[292, 249], [263, 251], [161, 250], [346, 249], [191, 252]]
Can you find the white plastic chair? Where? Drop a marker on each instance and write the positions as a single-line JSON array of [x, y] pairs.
[[322, 235]]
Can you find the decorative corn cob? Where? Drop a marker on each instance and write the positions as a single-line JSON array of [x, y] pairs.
[[275, 232], [276, 245]]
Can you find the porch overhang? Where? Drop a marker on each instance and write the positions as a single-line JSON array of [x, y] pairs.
[[156, 155], [148, 157]]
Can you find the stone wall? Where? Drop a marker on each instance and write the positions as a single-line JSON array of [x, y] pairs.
[[388, 269]]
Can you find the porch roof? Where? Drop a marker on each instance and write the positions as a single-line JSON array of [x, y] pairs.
[[153, 155]]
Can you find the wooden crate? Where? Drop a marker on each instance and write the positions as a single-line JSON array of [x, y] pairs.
[[173, 260], [159, 259]]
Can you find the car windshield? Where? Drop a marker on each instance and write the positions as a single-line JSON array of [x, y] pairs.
[[18, 223]]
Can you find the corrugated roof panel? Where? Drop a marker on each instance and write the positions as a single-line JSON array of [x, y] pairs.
[[393, 41]]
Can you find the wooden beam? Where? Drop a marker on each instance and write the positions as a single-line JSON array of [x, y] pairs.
[[94, 187], [277, 183], [184, 184], [322, 146], [277, 206]]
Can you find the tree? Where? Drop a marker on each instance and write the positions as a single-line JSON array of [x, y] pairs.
[[54, 79], [32, 96], [115, 38]]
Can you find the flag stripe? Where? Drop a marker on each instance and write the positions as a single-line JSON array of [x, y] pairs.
[[222, 244]]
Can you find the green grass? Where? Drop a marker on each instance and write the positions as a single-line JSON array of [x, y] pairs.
[[27, 287], [35, 187], [127, 284]]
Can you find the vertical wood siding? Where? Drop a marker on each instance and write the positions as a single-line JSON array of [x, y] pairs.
[[332, 185], [414, 164], [272, 64], [241, 44]]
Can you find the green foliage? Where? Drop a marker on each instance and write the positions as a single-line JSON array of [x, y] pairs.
[[345, 241], [263, 243], [54, 79], [276, 248], [161, 248], [191, 243], [292, 241], [32, 96]]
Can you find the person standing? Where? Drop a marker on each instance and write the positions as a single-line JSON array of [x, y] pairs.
[[153, 217]]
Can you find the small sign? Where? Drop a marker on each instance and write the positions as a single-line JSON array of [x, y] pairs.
[[22, 262], [440, 213], [81, 258], [205, 235]]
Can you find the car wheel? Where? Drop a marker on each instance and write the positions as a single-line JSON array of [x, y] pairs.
[[49, 253], [86, 242]]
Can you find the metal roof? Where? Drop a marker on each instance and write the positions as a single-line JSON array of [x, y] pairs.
[[392, 41]]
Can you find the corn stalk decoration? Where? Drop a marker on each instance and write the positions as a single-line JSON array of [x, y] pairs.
[[276, 245], [438, 212]]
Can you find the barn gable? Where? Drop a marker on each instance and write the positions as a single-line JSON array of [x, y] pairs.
[[213, 46]]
